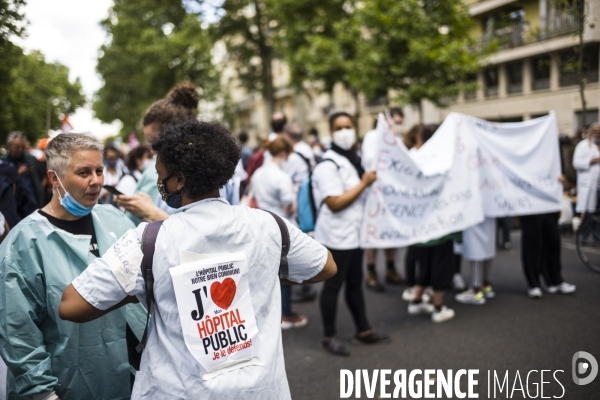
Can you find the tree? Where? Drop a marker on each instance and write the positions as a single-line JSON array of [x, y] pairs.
[[246, 28], [153, 45], [422, 49], [37, 90], [578, 11], [318, 40]]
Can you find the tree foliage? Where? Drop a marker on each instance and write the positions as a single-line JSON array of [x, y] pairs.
[[420, 49], [246, 27], [37, 90], [153, 45]]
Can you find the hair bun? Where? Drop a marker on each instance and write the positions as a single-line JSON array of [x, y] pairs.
[[185, 95]]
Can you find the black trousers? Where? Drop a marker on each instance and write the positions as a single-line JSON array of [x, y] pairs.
[[540, 249], [436, 265], [350, 272], [410, 266]]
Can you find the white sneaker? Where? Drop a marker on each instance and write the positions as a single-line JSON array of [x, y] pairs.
[[442, 315], [471, 297], [488, 292], [420, 308], [458, 282], [534, 293], [427, 296], [408, 294], [564, 288]]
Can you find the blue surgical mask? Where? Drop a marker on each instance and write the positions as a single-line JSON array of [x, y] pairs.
[[173, 200], [72, 205]]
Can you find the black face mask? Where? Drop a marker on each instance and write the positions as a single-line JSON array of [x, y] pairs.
[[173, 200]]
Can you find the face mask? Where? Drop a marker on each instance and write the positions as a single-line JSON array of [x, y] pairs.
[[596, 140], [111, 163], [173, 200], [72, 205], [344, 138], [317, 150], [148, 163]]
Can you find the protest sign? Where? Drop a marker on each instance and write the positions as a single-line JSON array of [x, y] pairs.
[[215, 311], [468, 169]]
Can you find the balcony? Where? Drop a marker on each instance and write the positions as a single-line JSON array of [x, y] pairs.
[[507, 37], [559, 25]]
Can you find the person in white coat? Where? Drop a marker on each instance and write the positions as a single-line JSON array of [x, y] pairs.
[[223, 342], [339, 184], [273, 191], [479, 249], [586, 161]]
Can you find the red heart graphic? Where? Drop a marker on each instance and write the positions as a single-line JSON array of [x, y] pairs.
[[222, 293]]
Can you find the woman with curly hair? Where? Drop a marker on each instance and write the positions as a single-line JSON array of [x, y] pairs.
[[219, 343]]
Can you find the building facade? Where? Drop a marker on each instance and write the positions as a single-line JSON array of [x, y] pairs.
[[529, 75]]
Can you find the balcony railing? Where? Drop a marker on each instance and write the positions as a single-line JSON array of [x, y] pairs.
[[560, 24], [540, 84], [508, 37]]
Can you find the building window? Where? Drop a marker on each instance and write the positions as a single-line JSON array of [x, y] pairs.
[[569, 74], [490, 79], [591, 116], [540, 73], [514, 75], [506, 28]]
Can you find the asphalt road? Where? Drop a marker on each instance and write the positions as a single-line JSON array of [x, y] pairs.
[[510, 333]]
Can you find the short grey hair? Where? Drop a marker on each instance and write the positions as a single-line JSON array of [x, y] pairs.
[[60, 150], [16, 135]]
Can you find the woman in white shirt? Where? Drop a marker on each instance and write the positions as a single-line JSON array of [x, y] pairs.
[[273, 191], [214, 331], [271, 186], [113, 172], [586, 161], [339, 184]]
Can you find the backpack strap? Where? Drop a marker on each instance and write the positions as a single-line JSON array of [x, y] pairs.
[[148, 246], [306, 160], [284, 271]]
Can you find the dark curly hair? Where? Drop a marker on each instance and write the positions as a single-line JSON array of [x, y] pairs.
[[205, 153], [180, 104]]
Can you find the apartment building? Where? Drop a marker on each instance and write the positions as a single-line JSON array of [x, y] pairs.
[[526, 77]]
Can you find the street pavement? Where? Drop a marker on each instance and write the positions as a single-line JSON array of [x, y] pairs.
[[509, 333]]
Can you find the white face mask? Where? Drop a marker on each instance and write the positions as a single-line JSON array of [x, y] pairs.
[[344, 138]]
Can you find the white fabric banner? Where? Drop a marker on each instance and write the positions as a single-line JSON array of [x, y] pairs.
[[468, 169]]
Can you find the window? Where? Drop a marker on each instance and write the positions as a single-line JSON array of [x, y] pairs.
[[591, 116], [514, 75], [569, 74], [490, 79], [471, 94], [540, 73]]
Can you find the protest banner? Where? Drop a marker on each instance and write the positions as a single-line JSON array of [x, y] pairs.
[[468, 169]]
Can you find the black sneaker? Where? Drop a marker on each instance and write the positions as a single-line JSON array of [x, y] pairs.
[[372, 337], [334, 346]]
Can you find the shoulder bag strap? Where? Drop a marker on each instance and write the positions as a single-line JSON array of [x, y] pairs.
[[148, 245], [284, 271]]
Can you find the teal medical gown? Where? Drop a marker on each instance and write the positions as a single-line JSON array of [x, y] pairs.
[[42, 352], [147, 184]]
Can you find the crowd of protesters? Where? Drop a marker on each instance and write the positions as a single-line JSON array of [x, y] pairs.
[[67, 201]]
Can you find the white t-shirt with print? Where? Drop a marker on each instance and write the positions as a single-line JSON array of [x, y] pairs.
[[340, 230], [168, 370]]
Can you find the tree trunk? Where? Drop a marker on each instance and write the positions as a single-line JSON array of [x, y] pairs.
[[356, 110], [580, 12], [266, 57]]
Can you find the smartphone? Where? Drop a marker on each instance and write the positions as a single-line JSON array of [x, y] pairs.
[[112, 190]]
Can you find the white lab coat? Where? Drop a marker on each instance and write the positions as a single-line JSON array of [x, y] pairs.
[[168, 369], [272, 189], [587, 175]]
